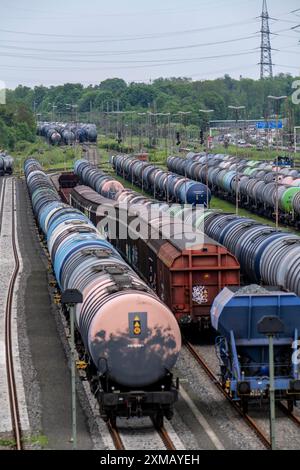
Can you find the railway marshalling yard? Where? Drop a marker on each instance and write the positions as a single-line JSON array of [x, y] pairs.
[[38, 347]]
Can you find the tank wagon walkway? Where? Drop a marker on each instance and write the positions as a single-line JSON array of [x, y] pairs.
[[49, 394]]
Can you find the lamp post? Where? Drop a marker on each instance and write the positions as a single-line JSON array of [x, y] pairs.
[[237, 109], [207, 112], [271, 326], [72, 297], [277, 100]]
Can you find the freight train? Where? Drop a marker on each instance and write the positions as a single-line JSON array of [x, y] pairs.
[[127, 337], [186, 276], [6, 164], [258, 184], [266, 255], [161, 184], [243, 351], [66, 133]]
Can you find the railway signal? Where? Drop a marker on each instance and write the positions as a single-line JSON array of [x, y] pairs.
[[202, 137]]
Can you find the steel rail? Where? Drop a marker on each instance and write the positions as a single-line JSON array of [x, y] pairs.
[[250, 421], [12, 389]]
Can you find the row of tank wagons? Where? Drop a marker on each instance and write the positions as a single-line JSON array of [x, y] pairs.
[[67, 134], [266, 255], [256, 183], [241, 349], [161, 184], [185, 271], [130, 351], [6, 164]]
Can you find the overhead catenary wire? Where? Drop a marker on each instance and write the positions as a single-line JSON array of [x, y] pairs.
[[133, 51], [66, 14], [95, 38], [153, 63]]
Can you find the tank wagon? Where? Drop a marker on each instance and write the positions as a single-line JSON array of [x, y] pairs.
[[101, 182], [67, 133], [266, 255], [186, 275], [256, 183], [161, 184], [244, 353], [127, 337], [6, 164]]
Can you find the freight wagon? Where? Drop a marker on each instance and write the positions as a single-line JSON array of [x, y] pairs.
[[58, 133], [257, 183], [161, 184], [6, 164], [186, 277], [127, 338], [244, 352]]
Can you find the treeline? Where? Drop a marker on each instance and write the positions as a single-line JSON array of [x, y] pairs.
[[17, 124], [164, 96], [69, 101]]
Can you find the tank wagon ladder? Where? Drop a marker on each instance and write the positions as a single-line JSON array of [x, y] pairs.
[[250, 421], [13, 398]]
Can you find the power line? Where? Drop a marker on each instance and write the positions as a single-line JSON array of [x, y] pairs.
[[128, 52], [288, 66], [154, 63], [95, 38], [134, 13]]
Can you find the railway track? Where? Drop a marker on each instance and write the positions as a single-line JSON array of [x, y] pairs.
[[250, 421], [295, 419], [2, 194], [12, 390], [119, 445], [91, 153]]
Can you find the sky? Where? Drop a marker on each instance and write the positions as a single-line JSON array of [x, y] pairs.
[[57, 41]]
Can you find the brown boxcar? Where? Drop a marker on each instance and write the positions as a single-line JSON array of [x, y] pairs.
[[187, 279], [64, 183]]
